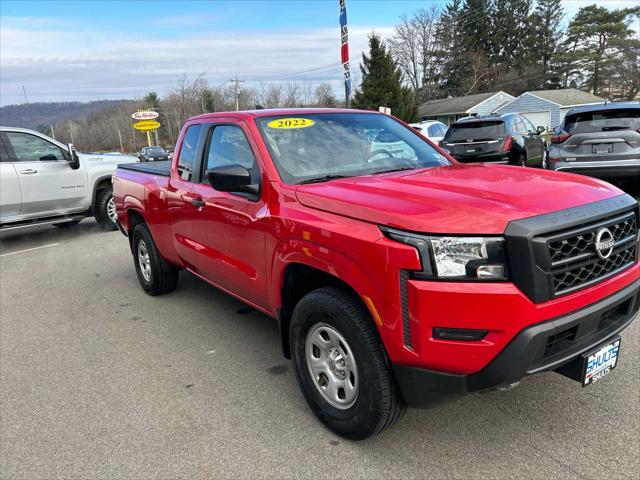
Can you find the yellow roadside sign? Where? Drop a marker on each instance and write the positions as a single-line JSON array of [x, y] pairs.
[[146, 125]]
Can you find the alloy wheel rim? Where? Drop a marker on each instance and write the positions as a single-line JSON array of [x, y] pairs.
[[144, 260], [111, 210], [332, 366]]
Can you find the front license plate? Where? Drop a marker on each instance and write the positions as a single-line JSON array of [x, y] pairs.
[[603, 148], [600, 362]]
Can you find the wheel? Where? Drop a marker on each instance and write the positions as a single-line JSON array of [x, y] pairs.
[[156, 276], [341, 365], [105, 210], [70, 224], [522, 161]]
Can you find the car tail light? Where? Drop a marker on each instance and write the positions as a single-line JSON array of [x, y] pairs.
[[560, 137], [508, 143]]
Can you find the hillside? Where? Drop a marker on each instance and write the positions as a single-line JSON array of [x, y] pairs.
[[39, 116]]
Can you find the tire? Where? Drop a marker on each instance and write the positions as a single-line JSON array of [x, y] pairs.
[[70, 224], [377, 404], [522, 160], [104, 211], [155, 275]]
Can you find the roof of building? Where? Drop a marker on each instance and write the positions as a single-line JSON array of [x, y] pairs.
[[566, 97], [446, 106]]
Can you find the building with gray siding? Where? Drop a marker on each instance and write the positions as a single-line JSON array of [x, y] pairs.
[[547, 108], [448, 110]]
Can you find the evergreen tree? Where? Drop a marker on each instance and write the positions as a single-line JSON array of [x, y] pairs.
[[451, 50], [381, 83], [545, 39], [508, 44], [601, 37], [475, 22]]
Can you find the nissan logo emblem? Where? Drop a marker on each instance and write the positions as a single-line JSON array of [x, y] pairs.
[[604, 243]]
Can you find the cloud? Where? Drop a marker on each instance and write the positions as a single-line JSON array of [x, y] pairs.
[[76, 63]]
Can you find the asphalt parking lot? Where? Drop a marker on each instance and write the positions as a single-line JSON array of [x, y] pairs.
[[99, 380]]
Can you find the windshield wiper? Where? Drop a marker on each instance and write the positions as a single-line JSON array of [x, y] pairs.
[[397, 169], [324, 178]]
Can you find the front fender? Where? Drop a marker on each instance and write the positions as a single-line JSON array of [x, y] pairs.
[[320, 257]]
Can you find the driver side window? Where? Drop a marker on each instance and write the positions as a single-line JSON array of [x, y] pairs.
[[29, 148], [229, 146]]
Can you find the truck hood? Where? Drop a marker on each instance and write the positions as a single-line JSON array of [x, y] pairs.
[[458, 199]]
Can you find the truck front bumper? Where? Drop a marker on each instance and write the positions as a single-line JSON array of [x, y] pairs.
[[541, 347]]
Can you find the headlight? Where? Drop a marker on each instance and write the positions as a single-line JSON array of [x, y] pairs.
[[455, 258]]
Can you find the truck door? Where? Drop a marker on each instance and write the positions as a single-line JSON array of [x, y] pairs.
[[229, 227], [48, 184], [10, 198]]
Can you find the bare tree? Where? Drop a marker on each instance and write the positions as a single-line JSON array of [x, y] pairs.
[[415, 49], [325, 96]]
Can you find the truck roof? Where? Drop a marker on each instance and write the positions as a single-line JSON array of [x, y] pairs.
[[269, 112]]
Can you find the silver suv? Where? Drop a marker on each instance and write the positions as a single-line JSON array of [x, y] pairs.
[[599, 140]]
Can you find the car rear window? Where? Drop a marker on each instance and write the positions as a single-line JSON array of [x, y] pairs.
[[603, 121], [475, 131]]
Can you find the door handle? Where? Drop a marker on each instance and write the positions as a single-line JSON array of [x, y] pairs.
[[29, 171], [197, 203]]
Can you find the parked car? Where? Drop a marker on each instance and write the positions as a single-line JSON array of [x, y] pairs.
[[599, 140], [292, 212], [507, 139], [153, 154], [433, 130], [43, 181]]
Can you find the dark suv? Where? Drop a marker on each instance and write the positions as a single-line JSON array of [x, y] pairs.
[[508, 138], [599, 140], [152, 154]]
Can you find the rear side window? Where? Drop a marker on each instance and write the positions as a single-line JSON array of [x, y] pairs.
[[475, 131], [603, 121], [188, 150]]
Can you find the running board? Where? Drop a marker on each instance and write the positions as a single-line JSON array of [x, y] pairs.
[[35, 223]]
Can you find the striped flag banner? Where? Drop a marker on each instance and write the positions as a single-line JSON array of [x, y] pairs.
[[344, 50]]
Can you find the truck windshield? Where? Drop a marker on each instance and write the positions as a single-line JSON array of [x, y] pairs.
[[475, 131], [322, 146], [603, 121]]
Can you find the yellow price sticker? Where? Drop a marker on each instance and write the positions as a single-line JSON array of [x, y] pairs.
[[286, 123]]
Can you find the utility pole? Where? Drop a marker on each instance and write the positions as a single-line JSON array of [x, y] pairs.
[[24, 91], [53, 134], [120, 138], [237, 83]]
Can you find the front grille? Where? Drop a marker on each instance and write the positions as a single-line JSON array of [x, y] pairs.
[[572, 261]]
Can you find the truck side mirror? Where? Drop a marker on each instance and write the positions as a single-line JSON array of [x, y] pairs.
[[540, 130], [232, 178], [74, 163]]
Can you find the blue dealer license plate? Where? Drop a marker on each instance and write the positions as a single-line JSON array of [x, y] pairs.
[[600, 362]]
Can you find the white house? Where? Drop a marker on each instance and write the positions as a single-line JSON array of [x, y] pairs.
[[448, 110], [547, 108]]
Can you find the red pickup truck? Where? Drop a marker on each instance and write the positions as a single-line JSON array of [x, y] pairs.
[[397, 275]]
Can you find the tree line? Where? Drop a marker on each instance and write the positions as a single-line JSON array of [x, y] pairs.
[[111, 128], [475, 46]]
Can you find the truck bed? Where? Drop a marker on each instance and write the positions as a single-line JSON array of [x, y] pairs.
[[161, 168]]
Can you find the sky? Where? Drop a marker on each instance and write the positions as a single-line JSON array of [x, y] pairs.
[[87, 50]]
